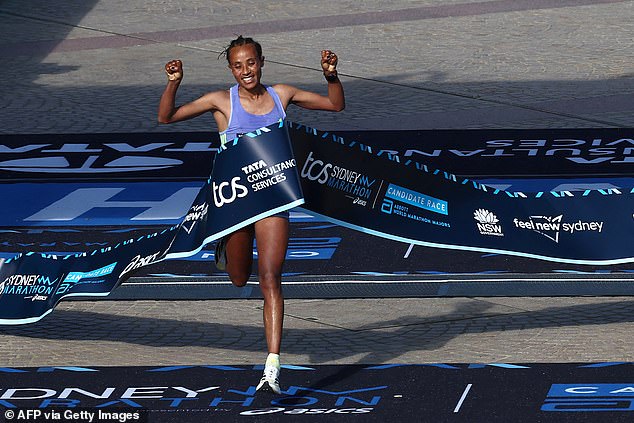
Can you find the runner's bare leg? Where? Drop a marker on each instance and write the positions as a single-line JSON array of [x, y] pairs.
[[240, 255], [272, 241]]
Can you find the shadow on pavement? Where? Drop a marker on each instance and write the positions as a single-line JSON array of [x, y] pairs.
[[408, 332]]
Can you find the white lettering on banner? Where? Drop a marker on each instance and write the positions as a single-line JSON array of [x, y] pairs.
[[276, 179], [415, 198], [263, 173], [236, 191], [583, 226], [337, 177], [197, 212], [595, 390], [487, 223], [255, 166], [37, 297], [262, 176], [27, 285], [550, 226], [321, 175], [626, 390], [355, 190], [138, 392], [27, 280], [138, 262], [345, 174]]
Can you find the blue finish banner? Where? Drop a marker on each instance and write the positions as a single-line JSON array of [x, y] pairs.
[[349, 183], [251, 179], [401, 199]]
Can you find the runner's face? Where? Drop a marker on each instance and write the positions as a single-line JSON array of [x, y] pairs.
[[246, 66]]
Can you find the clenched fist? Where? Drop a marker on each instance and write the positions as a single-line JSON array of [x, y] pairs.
[[174, 70], [329, 62]]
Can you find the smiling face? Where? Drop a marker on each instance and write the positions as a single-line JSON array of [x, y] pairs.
[[246, 66]]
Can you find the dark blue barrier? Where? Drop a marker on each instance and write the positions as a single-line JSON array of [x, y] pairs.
[[233, 197], [409, 201], [100, 194]]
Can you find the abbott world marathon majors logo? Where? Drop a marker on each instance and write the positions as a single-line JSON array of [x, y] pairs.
[[552, 226], [487, 223]]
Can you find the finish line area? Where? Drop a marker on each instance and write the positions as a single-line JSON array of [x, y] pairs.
[[69, 197], [73, 197], [374, 329], [431, 393]]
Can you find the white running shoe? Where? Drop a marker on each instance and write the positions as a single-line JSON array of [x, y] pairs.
[[270, 381], [220, 254]]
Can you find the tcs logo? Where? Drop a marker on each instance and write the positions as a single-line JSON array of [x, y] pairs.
[[227, 192], [320, 174]]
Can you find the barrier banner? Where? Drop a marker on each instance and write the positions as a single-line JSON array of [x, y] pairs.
[[350, 184], [251, 179], [382, 194]]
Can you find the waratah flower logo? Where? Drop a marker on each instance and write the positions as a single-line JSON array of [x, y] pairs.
[[485, 216]]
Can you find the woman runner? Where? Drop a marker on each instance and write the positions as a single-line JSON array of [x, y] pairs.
[[246, 106]]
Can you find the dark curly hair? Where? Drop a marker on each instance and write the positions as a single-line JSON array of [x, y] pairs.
[[241, 41]]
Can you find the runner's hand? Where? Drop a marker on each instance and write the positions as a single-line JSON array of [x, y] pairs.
[[174, 70], [329, 62]]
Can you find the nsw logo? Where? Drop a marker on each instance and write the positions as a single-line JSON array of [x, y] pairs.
[[487, 223]]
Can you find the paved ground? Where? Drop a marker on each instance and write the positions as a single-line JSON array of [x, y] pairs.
[[347, 331], [96, 66]]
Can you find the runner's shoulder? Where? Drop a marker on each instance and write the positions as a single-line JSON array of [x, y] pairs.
[[284, 91], [217, 98]]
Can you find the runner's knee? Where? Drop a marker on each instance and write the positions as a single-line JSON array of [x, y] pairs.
[[239, 280], [271, 284]]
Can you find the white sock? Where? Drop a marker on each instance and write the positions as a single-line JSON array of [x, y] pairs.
[[273, 360]]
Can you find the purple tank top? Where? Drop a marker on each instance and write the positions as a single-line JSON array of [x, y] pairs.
[[241, 121]]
